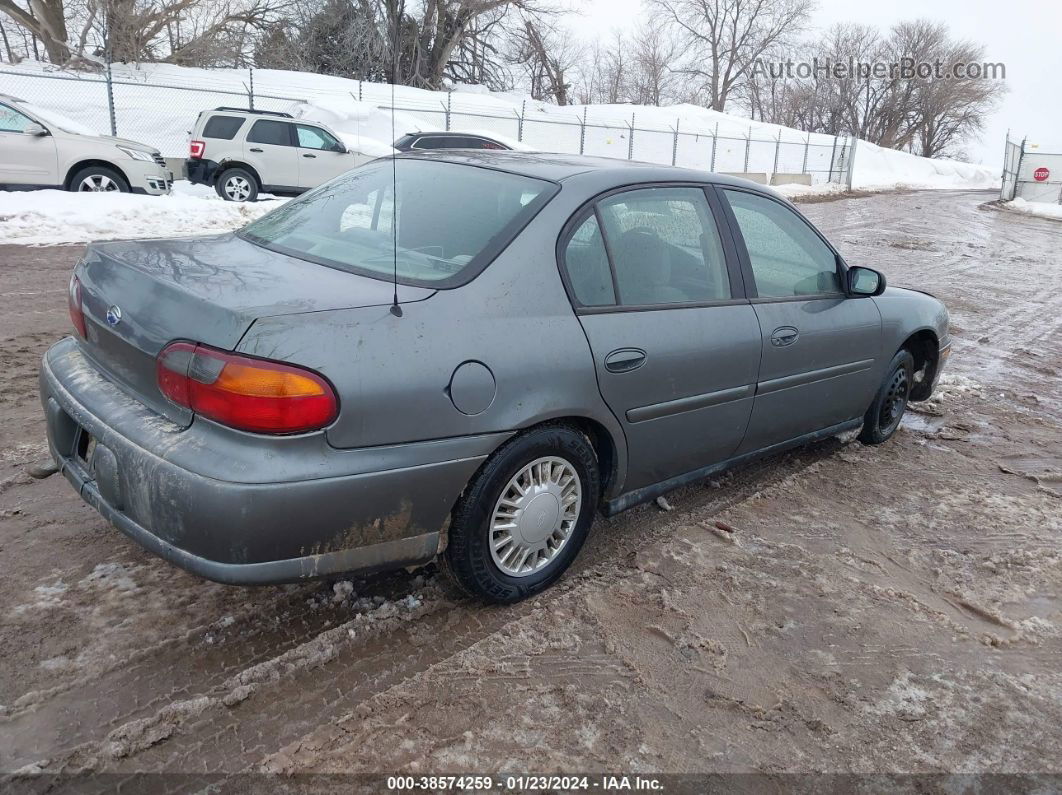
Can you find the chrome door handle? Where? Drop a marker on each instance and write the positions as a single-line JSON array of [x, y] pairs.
[[309, 155], [256, 150], [624, 360], [786, 335]]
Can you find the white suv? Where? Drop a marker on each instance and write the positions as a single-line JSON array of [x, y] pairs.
[[41, 149], [243, 152]]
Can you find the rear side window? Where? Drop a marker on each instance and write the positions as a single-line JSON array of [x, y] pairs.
[[223, 127], [665, 247], [586, 261], [787, 257], [277, 133]]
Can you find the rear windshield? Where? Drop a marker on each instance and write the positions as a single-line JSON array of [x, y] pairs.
[[453, 219]]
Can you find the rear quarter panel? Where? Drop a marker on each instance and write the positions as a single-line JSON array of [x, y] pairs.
[[393, 375]]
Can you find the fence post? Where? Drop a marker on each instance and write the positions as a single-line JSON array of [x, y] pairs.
[[449, 99], [674, 142], [807, 146], [520, 128], [715, 139], [250, 90], [777, 149], [1017, 171], [360, 82], [833, 156], [630, 141], [582, 131], [748, 143], [851, 161], [110, 82]]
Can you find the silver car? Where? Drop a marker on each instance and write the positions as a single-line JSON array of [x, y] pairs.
[[41, 149], [529, 339]]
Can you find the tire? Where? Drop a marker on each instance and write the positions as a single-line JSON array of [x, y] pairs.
[[884, 415], [237, 185], [546, 533], [98, 179]]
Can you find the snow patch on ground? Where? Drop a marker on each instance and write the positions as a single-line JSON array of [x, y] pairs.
[[1039, 209], [49, 217]]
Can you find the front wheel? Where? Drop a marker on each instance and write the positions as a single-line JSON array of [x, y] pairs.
[[524, 517], [98, 179], [884, 415], [237, 185]]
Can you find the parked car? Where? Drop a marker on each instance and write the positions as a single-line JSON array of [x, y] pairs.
[[41, 149], [414, 141], [554, 335], [242, 153]]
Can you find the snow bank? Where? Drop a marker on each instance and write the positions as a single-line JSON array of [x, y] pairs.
[[1041, 209], [49, 217], [877, 167]]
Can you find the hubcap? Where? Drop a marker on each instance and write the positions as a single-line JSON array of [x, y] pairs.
[[535, 516], [895, 400], [237, 188], [97, 183]]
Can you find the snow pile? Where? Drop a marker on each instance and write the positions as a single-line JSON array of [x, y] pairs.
[[357, 111], [877, 167], [49, 217], [1041, 209]]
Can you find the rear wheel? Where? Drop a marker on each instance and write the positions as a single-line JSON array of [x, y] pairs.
[[237, 185], [884, 415], [524, 517], [98, 179]]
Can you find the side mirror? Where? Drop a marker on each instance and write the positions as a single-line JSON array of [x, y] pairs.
[[340, 149], [865, 282], [35, 129]]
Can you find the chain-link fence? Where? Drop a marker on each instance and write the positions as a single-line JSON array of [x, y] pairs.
[[1031, 173], [160, 109]]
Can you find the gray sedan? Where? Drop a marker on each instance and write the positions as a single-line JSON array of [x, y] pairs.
[[469, 373]]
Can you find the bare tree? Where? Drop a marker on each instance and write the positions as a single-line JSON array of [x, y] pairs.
[[45, 20], [724, 38], [653, 75], [549, 56]]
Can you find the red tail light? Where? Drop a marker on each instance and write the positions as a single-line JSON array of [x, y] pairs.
[[77, 314], [245, 393], [196, 149]]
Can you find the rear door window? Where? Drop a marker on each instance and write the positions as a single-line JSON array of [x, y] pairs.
[[276, 133], [223, 127], [665, 247]]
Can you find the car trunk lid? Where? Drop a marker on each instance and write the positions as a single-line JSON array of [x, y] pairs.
[[138, 296]]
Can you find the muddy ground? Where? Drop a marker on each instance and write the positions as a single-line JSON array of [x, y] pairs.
[[893, 609]]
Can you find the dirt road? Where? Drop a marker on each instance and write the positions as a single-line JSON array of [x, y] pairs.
[[892, 609]]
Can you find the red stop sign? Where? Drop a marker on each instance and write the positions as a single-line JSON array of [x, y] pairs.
[[1041, 174]]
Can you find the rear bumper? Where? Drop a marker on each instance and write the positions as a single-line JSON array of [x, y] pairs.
[[200, 172], [245, 509]]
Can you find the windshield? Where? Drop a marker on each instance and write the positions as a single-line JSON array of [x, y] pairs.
[[54, 119], [453, 219]]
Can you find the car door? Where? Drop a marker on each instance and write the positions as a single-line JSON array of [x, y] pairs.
[[270, 149], [25, 159], [321, 156], [675, 343], [818, 347]]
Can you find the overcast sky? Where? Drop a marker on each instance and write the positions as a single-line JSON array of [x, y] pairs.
[[1025, 35]]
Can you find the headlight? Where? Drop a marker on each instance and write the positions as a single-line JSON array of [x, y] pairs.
[[136, 154]]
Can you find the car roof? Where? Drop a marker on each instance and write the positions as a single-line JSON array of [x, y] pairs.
[[559, 167]]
